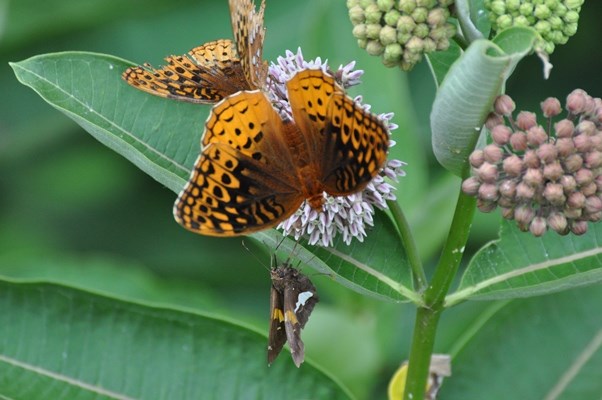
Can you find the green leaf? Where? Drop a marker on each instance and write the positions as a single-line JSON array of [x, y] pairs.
[[158, 135], [542, 348], [467, 94], [58, 343], [521, 265], [378, 267]]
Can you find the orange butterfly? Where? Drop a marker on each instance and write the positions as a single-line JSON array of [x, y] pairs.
[[212, 71], [256, 169]]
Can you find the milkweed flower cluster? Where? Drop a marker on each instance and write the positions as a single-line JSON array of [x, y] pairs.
[[555, 20], [401, 31], [342, 215], [542, 176]]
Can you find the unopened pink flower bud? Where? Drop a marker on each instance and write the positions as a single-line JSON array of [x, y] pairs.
[[553, 171], [524, 191], [470, 186], [578, 227], [531, 160], [547, 153], [518, 141], [507, 188], [524, 214], [536, 135], [533, 177], [565, 146], [551, 107], [575, 101], [487, 173], [476, 158], [590, 189], [538, 226], [488, 192], [493, 153], [501, 134], [526, 120], [554, 194], [568, 183], [584, 176], [573, 162], [564, 128], [557, 221], [504, 105], [593, 159], [582, 143], [576, 200], [513, 165], [593, 204]]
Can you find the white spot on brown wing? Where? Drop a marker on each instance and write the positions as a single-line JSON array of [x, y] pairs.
[[302, 299]]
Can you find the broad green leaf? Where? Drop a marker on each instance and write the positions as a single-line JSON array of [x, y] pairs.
[[548, 347], [377, 267], [467, 94], [158, 135], [521, 265], [59, 343]]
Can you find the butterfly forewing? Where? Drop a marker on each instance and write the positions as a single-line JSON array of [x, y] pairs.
[[277, 332], [206, 75], [242, 180], [348, 143]]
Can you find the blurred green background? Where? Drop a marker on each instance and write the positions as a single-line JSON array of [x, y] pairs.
[[72, 210]]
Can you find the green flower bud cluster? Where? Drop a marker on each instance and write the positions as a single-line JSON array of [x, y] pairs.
[[542, 179], [401, 31], [554, 20]]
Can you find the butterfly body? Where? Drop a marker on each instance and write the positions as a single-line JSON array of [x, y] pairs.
[[255, 169], [292, 299]]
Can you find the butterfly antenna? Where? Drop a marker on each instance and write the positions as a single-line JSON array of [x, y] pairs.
[[255, 255], [293, 253]]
